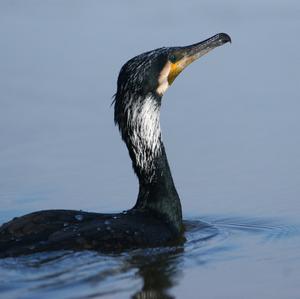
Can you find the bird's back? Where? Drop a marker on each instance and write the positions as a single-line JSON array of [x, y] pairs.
[[77, 230]]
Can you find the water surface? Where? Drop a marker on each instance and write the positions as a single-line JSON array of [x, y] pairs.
[[230, 125]]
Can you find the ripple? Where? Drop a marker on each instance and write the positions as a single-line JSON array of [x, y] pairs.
[[268, 228], [225, 238]]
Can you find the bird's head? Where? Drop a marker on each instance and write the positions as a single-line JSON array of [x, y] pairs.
[[151, 73]]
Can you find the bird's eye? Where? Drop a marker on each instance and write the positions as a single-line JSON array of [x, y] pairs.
[[172, 58]]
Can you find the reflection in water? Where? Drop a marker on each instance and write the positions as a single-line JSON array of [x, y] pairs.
[[147, 273], [158, 273], [144, 274]]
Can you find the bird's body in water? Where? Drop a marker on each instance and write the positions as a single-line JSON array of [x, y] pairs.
[[156, 218]]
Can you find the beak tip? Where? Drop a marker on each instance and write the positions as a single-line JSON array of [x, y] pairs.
[[225, 38]]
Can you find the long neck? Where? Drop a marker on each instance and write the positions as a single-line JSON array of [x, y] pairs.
[[140, 128], [159, 194]]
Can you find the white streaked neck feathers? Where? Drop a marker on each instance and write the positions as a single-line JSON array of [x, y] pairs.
[[143, 121]]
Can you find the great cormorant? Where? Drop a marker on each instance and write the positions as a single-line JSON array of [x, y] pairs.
[[156, 218]]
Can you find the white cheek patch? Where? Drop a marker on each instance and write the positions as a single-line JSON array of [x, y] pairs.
[[163, 83]]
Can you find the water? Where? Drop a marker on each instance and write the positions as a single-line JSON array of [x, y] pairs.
[[230, 125], [215, 261]]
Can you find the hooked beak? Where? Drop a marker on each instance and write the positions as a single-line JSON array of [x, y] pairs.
[[191, 53]]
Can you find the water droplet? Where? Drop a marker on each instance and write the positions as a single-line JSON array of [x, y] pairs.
[[66, 224], [98, 229], [79, 234], [106, 222], [115, 217], [124, 212], [108, 228], [32, 247], [79, 217], [127, 232]]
